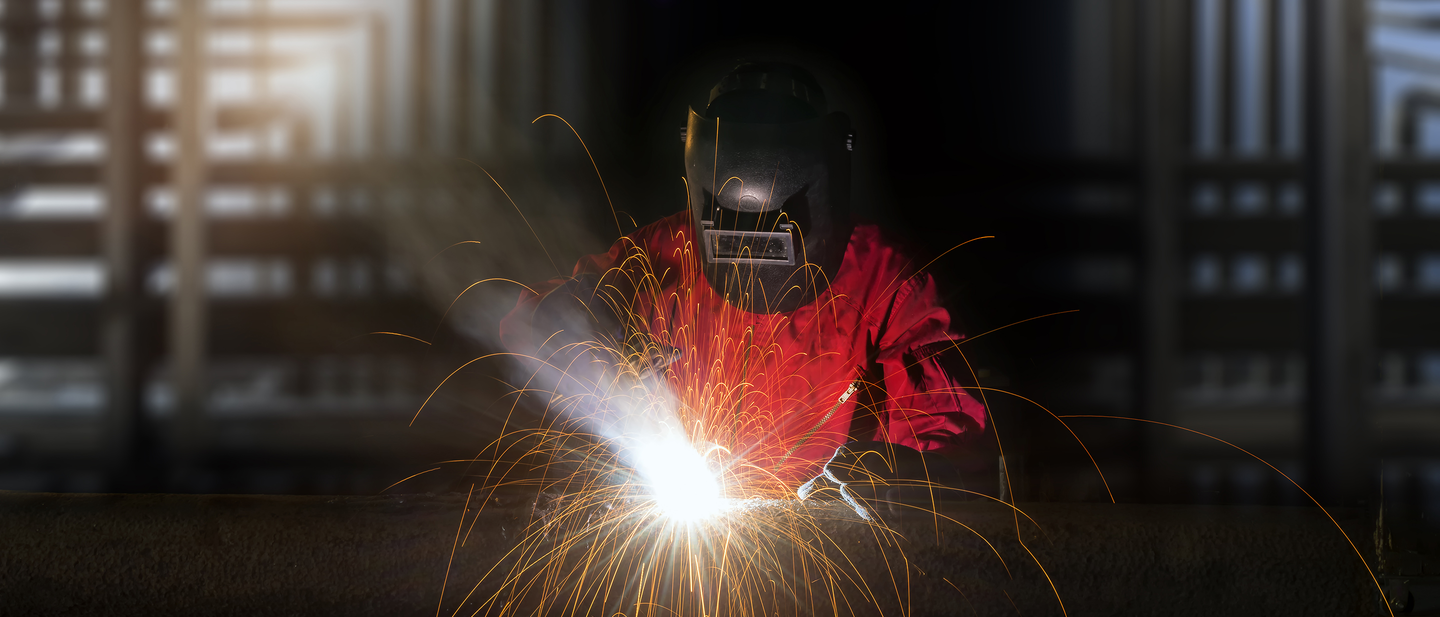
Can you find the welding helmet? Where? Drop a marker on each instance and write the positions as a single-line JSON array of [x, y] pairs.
[[767, 167]]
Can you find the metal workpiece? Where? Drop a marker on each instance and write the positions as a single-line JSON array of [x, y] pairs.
[[388, 555]]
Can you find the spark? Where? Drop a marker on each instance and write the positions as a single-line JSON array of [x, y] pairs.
[[661, 483], [663, 488], [682, 484]]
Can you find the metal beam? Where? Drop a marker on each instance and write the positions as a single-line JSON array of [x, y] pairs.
[[22, 54], [123, 238], [227, 117], [382, 142], [69, 51], [61, 238], [422, 82], [461, 71], [291, 237], [1339, 326], [27, 18], [482, 46], [1160, 26], [69, 328], [187, 319], [1231, 170]]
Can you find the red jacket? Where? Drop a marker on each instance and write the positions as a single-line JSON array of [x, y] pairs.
[[764, 385]]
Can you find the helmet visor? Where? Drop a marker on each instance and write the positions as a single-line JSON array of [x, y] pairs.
[[750, 247]]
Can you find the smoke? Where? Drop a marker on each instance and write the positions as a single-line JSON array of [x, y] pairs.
[[465, 229], [478, 232]]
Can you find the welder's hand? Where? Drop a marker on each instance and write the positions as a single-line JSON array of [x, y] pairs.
[[578, 327], [649, 357], [878, 478], [586, 329], [578, 311]]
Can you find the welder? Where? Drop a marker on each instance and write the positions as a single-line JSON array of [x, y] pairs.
[[832, 342]]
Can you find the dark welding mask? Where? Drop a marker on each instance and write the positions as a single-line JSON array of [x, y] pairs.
[[768, 170]]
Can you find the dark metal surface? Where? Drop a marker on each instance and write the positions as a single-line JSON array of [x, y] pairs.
[[194, 555]]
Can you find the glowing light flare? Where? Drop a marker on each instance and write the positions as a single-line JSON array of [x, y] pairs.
[[682, 484]]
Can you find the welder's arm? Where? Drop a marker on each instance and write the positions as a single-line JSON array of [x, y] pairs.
[[580, 332], [930, 403], [560, 305], [881, 479], [572, 332], [576, 312]]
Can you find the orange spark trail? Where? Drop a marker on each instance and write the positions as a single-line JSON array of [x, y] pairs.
[[592, 164], [442, 251], [413, 338], [517, 211], [441, 604]]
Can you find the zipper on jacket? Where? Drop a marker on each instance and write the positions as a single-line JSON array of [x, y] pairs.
[[854, 385]]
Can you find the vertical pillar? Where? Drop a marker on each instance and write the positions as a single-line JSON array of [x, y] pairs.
[[483, 47], [1160, 26], [461, 36], [1274, 68], [260, 72], [187, 230], [22, 53], [121, 237], [1225, 92], [567, 42], [421, 47], [380, 138], [69, 63], [522, 65], [1338, 235]]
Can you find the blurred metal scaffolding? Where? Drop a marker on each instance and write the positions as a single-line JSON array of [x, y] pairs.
[[1256, 244], [1245, 209], [192, 199], [1287, 242]]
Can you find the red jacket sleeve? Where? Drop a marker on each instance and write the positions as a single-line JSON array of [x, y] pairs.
[[927, 408], [515, 331], [655, 240]]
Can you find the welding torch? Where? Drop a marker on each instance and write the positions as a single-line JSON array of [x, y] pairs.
[[882, 480]]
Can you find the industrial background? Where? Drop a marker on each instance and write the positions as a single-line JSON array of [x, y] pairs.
[[207, 207]]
